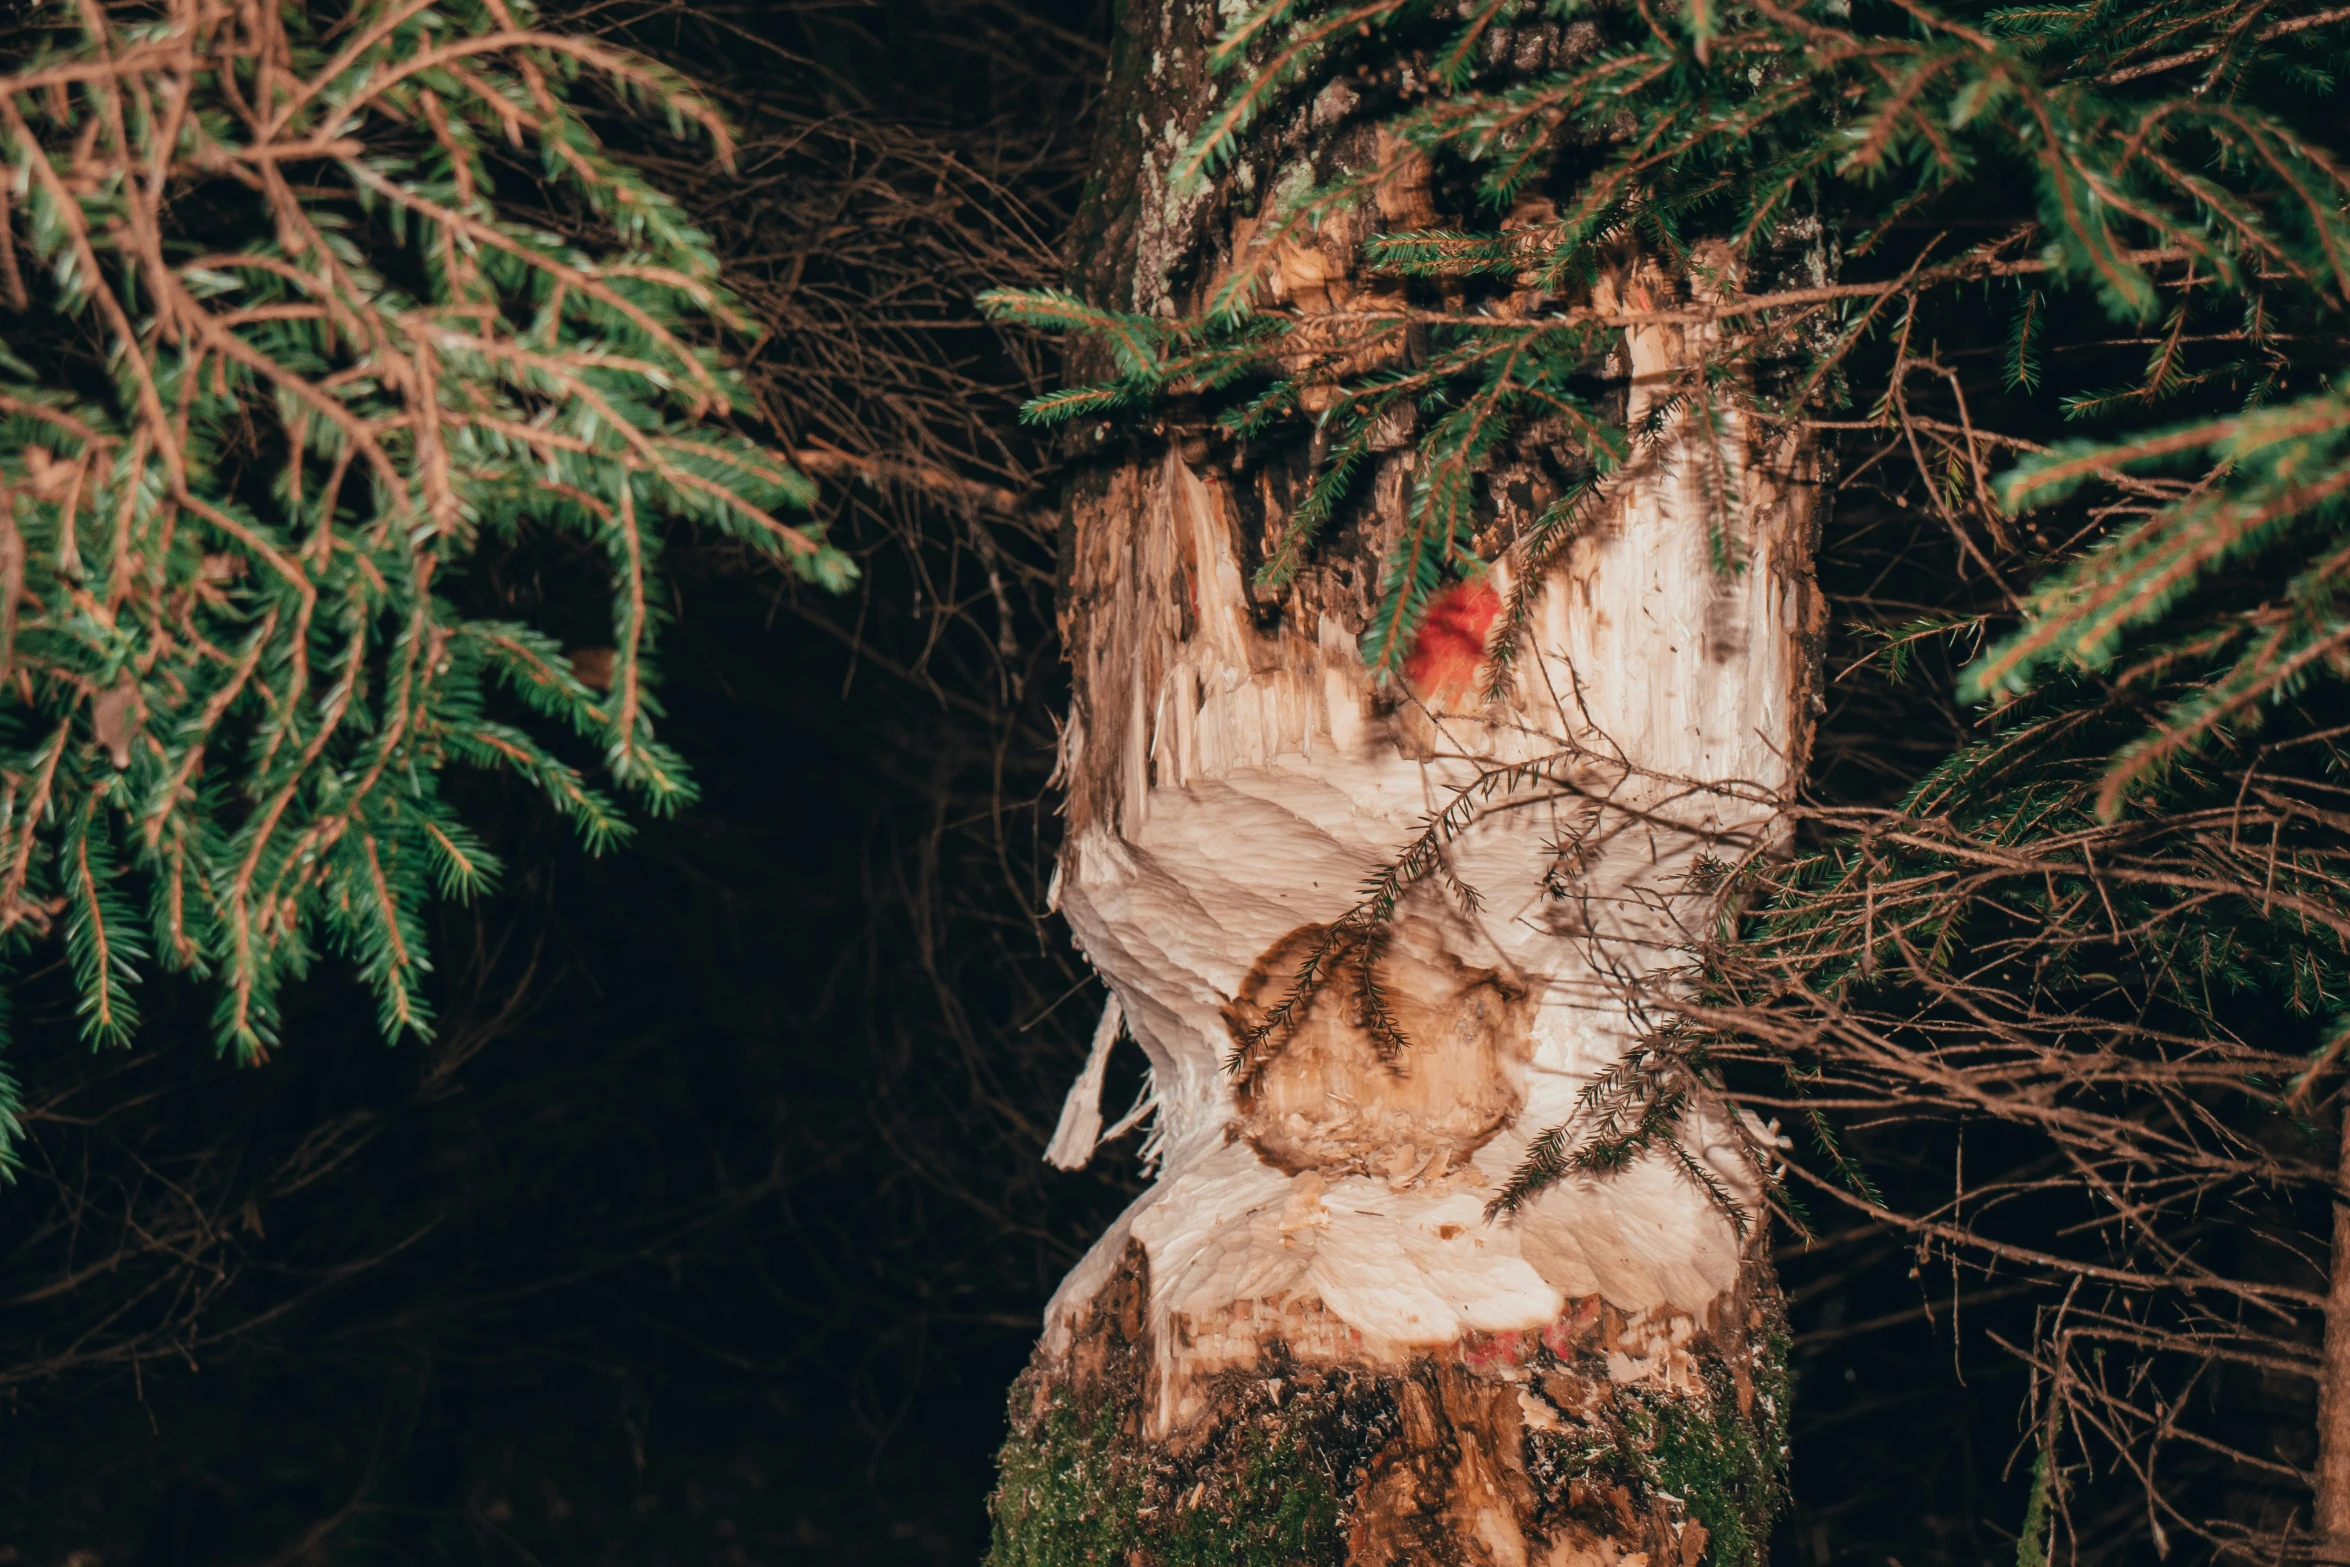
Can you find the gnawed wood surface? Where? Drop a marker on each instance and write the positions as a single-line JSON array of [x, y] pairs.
[[1233, 773]]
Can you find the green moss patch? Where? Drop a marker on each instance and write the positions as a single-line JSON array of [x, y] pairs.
[[1727, 1467], [1078, 1489]]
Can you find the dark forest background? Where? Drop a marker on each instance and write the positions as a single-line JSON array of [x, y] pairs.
[[713, 1226]]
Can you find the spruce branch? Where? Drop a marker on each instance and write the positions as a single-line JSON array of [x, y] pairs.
[[242, 470]]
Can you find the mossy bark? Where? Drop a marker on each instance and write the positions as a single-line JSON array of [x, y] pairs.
[[1513, 1448]]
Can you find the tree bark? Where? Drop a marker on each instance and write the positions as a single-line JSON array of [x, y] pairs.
[[1306, 1341], [2333, 1408]]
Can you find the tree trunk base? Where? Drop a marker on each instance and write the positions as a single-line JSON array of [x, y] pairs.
[[1502, 1450]]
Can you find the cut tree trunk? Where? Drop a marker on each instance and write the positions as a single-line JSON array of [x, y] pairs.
[[1307, 1342]]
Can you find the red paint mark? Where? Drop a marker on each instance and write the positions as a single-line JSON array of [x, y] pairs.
[[1491, 1352], [1443, 663], [1563, 1336]]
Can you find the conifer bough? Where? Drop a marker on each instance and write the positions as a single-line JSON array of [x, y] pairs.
[[303, 304]]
